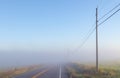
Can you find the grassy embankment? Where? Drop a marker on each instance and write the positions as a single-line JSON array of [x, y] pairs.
[[83, 71]]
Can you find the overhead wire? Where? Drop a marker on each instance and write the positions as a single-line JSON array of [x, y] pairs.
[[109, 17], [85, 40], [109, 12], [88, 36], [90, 32]]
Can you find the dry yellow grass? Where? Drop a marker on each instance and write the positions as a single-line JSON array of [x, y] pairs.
[[89, 71], [13, 72]]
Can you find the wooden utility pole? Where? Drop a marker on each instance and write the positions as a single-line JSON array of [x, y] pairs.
[[96, 39]]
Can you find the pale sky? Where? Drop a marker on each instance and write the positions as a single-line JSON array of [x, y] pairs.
[[58, 26]]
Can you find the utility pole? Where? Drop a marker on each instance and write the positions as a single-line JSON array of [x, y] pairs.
[[97, 39]]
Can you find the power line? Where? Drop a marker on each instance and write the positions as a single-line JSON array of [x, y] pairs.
[[95, 28], [91, 30], [109, 17], [85, 40], [109, 11], [88, 35]]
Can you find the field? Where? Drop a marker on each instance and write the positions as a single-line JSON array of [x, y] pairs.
[[77, 70]]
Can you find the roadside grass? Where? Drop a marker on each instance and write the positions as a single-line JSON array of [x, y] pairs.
[[16, 71], [76, 70]]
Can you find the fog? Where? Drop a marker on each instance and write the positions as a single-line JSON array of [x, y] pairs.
[[15, 59], [24, 58]]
